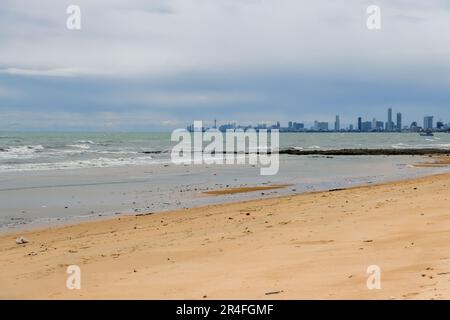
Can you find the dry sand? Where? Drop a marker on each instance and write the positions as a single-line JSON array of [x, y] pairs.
[[308, 246]]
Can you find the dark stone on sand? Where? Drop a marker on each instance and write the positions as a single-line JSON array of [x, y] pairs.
[[334, 190], [367, 152], [144, 214]]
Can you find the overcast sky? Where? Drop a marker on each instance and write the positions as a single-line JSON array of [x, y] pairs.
[[160, 65]]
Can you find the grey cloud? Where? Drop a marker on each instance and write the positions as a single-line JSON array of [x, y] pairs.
[[137, 38], [170, 61]]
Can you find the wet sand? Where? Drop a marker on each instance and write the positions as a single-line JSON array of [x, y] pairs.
[[245, 189], [52, 197], [436, 162], [308, 246]]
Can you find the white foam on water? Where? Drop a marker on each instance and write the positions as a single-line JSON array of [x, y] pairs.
[[91, 163], [421, 146], [79, 146], [86, 142], [20, 152]]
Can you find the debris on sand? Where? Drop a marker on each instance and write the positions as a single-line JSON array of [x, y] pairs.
[[273, 292], [143, 214], [22, 240]]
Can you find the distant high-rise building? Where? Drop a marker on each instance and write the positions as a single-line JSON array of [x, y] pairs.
[[428, 123], [298, 126], [350, 127], [261, 126], [379, 125], [359, 124], [389, 123], [366, 126], [399, 122], [374, 123], [337, 124], [290, 125], [321, 126]]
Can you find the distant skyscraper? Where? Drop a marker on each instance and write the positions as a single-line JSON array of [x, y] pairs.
[[428, 123], [399, 122], [389, 124], [337, 124], [374, 123], [359, 124]]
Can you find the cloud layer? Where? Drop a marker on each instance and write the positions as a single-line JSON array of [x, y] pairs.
[[162, 63]]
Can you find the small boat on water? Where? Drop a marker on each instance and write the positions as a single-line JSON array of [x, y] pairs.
[[427, 134]]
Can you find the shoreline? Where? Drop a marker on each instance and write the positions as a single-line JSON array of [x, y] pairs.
[[89, 196], [259, 242], [35, 226]]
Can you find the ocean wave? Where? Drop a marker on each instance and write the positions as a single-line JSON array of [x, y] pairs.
[[421, 146], [91, 151], [79, 146], [301, 148], [20, 152], [86, 142], [27, 153], [91, 163]]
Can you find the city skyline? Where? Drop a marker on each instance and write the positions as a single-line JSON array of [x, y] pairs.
[[362, 125]]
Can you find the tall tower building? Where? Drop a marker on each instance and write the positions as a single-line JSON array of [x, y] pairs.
[[399, 122], [389, 124], [359, 124], [428, 123], [337, 124]]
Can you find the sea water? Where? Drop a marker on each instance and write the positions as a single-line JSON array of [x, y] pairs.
[[48, 151]]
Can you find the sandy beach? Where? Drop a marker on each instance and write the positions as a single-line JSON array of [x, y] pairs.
[[308, 246]]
